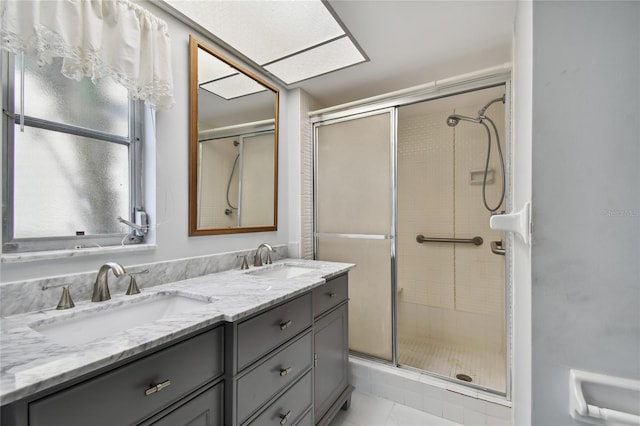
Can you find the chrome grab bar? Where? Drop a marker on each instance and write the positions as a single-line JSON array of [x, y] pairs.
[[475, 240], [498, 248]]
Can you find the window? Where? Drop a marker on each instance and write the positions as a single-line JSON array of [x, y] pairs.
[[72, 159]]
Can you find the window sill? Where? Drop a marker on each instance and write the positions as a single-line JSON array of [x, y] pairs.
[[63, 254]]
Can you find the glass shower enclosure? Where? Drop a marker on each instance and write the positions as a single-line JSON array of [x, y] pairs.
[[399, 192]]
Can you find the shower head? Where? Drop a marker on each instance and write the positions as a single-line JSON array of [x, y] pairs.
[[454, 119]]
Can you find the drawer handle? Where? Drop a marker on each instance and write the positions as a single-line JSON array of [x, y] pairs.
[[285, 371], [332, 294], [285, 325], [285, 417], [157, 388]]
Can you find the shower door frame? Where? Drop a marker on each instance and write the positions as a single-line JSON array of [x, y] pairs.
[[391, 236], [393, 104]]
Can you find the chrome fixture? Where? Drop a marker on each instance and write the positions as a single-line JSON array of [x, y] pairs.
[[139, 229], [133, 284], [245, 262], [157, 387], [454, 119], [484, 108], [231, 208], [498, 248], [65, 299], [257, 260], [475, 240], [101, 286]]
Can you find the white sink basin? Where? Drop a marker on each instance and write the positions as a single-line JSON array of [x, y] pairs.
[[92, 325], [282, 271]]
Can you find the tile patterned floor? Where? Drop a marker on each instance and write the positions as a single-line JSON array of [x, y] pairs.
[[369, 410], [487, 369]]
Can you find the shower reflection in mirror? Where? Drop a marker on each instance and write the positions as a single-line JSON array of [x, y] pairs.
[[233, 146], [231, 179]]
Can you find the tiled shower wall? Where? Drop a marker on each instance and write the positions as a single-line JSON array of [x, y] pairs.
[[219, 156], [448, 292]]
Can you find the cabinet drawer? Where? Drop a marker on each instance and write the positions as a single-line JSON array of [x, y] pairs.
[[307, 420], [123, 396], [290, 407], [265, 332], [330, 294], [272, 375], [203, 410]]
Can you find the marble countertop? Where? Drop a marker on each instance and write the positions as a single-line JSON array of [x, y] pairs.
[[31, 362]]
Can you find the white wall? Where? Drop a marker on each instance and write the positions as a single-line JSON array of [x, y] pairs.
[[586, 197], [171, 207]]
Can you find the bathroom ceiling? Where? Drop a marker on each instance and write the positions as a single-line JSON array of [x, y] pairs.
[[408, 43], [414, 42]]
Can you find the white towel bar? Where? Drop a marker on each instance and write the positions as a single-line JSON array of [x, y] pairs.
[[621, 395]]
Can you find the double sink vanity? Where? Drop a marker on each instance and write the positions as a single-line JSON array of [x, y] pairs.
[[263, 346]]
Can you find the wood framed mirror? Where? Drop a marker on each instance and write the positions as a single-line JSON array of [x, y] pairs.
[[233, 146]]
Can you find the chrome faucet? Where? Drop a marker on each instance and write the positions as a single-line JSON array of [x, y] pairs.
[[257, 261], [101, 286]]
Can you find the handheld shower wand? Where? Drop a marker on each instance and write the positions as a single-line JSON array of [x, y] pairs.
[[454, 119]]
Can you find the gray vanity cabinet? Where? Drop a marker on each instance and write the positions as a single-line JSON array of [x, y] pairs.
[[331, 349], [285, 365], [160, 382], [270, 365], [205, 409]]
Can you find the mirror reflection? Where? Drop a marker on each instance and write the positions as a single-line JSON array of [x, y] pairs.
[[233, 147]]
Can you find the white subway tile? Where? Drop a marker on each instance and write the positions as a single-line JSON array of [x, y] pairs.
[[499, 411], [474, 418], [453, 412]]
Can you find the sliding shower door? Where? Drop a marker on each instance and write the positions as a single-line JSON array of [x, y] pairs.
[[404, 193], [354, 216], [451, 295]]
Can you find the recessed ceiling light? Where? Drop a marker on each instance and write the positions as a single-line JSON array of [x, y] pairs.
[[287, 38]]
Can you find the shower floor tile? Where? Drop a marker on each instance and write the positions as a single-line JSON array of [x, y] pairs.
[[486, 369]]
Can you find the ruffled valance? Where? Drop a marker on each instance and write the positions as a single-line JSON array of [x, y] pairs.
[[95, 38]]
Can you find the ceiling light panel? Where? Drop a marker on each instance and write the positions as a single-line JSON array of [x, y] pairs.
[[267, 30], [212, 68], [329, 57], [233, 87]]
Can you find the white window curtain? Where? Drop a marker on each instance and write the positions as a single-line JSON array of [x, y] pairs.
[[95, 38]]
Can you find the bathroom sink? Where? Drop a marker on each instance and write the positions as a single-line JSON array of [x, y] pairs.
[[282, 271], [90, 325]]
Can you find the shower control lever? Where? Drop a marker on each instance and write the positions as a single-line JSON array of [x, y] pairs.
[[497, 248]]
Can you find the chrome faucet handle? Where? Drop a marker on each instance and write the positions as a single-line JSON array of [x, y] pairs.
[[245, 262], [133, 284], [65, 299]]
